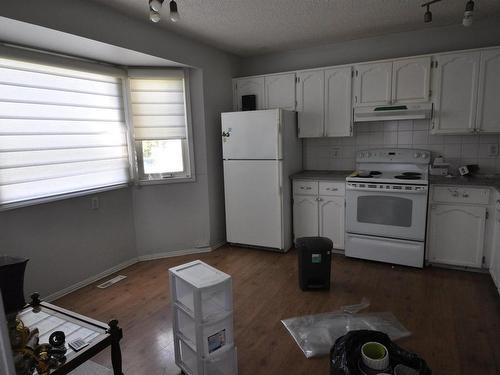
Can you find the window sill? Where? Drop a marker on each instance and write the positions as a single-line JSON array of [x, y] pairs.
[[171, 180], [55, 198]]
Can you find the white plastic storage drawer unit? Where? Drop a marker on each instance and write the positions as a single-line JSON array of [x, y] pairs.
[[214, 335], [202, 308], [201, 290], [222, 363]]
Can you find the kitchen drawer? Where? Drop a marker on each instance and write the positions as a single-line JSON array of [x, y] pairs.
[[460, 194], [304, 187], [331, 188]]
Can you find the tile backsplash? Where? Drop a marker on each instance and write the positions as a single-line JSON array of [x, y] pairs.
[[340, 153]]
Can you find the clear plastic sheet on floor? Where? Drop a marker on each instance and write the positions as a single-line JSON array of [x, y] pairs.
[[316, 334]]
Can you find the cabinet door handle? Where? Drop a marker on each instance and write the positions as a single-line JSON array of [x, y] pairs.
[[465, 195], [332, 189]]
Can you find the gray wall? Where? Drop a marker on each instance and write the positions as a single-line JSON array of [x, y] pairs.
[[165, 217], [430, 40], [67, 241]]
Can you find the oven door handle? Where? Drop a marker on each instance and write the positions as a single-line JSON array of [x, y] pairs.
[[390, 191]]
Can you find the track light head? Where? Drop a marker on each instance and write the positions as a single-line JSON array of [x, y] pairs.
[[428, 15], [154, 16], [155, 5], [174, 13], [468, 14]]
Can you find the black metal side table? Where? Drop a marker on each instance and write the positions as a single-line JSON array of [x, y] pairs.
[[49, 318]]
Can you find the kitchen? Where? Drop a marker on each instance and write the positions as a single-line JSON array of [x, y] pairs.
[[396, 115], [287, 119]]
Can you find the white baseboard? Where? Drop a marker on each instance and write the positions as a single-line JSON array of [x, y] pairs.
[[176, 253], [90, 280], [128, 263]]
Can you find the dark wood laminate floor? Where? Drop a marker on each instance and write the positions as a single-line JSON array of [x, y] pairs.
[[454, 315]]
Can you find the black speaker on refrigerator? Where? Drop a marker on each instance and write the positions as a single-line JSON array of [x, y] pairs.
[[249, 102]]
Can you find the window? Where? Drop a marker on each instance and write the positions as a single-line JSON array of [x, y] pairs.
[[64, 127], [160, 119], [61, 131]]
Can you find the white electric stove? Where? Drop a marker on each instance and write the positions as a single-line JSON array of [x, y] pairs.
[[386, 206]]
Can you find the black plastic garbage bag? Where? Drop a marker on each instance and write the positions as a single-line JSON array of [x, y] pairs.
[[346, 353]]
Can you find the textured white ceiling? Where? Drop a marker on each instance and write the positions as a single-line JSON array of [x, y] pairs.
[[251, 27]]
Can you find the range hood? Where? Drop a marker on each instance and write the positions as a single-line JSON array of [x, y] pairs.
[[394, 112]]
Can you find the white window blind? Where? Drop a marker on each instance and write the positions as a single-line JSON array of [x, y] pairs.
[[158, 107], [61, 131], [160, 114]]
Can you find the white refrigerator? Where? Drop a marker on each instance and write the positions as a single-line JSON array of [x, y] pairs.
[[260, 151]]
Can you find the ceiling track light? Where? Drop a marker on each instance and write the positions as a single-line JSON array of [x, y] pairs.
[[428, 13], [154, 10], [468, 14], [155, 7]]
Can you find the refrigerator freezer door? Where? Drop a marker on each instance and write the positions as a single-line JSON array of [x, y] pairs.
[[254, 202], [251, 135]]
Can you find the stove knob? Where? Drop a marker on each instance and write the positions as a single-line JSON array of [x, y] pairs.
[[361, 154], [425, 155], [368, 154], [417, 154]]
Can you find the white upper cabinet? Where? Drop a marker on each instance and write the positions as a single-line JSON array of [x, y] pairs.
[[280, 91], [456, 85], [373, 84], [338, 102], [411, 80], [488, 108], [249, 86], [310, 103], [393, 82]]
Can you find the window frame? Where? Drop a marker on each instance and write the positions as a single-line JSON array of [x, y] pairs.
[[187, 144]]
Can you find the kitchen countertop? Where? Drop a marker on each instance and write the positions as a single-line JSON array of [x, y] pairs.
[[492, 180], [321, 175]]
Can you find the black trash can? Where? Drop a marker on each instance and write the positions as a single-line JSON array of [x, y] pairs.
[[315, 257]]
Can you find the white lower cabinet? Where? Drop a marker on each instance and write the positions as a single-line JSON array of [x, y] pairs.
[[319, 215], [305, 216], [331, 219], [456, 234]]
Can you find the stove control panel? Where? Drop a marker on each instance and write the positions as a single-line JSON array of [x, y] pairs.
[[394, 155], [386, 187]]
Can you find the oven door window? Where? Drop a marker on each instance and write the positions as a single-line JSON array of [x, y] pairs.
[[385, 210]]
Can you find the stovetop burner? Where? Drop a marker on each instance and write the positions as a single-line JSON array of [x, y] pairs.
[[408, 177], [418, 174], [370, 174]]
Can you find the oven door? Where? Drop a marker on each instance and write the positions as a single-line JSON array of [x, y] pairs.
[[386, 214]]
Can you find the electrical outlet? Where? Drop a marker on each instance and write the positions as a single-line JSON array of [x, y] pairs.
[[335, 152], [493, 149], [94, 203]]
